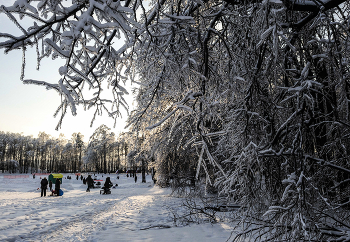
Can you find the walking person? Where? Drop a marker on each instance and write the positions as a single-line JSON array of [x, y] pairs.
[[50, 185], [135, 178], [43, 184], [90, 183]]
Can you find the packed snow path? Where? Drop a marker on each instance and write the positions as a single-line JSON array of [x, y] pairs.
[[133, 212]]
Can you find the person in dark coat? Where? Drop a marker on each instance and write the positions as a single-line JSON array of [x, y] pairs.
[[57, 186], [90, 183], [108, 184], [50, 185], [43, 184], [135, 178]]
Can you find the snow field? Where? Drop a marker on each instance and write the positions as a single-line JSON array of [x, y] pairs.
[[133, 212]]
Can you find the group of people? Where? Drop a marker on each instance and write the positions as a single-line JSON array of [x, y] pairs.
[[89, 180], [132, 175], [44, 182], [106, 187]]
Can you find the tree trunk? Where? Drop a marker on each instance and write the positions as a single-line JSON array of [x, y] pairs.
[[143, 171]]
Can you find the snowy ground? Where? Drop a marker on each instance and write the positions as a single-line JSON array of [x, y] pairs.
[[133, 212]]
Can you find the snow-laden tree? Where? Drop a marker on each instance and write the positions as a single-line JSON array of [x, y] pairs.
[[258, 90], [78, 144], [101, 143], [266, 88]]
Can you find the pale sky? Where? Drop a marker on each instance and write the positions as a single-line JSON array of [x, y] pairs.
[[29, 109]]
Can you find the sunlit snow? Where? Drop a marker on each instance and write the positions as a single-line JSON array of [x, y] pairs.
[[133, 212]]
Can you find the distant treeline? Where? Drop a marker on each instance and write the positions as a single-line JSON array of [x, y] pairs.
[[26, 154]]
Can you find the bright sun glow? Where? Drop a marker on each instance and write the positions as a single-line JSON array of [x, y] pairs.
[[29, 109]]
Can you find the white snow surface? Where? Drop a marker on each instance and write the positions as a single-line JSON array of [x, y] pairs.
[[132, 212]]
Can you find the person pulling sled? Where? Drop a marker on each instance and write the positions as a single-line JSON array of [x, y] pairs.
[[107, 186]]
